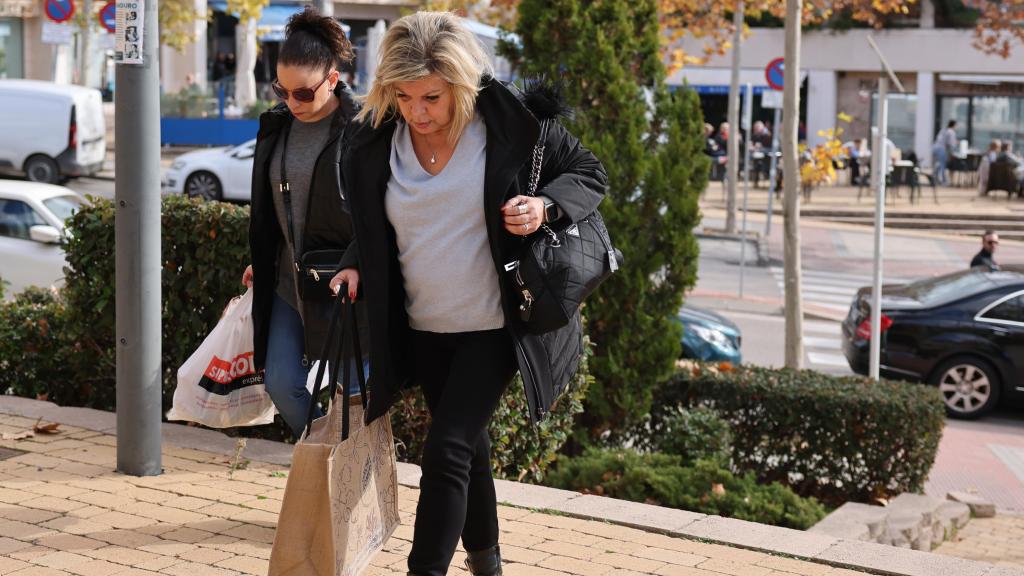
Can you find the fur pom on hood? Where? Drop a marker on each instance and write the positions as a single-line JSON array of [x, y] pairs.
[[544, 100]]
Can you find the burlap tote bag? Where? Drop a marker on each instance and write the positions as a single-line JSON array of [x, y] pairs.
[[341, 500]]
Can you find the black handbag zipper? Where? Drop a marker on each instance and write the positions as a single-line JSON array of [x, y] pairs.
[[533, 378]]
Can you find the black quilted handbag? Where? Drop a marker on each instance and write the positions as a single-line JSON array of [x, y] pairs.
[[560, 264]]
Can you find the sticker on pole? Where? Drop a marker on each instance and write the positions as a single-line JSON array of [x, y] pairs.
[[59, 10], [128, 31], [108, 16], [775, 73]]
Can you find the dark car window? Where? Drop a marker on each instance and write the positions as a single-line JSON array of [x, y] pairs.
[[1009, 310], [16, 218], [936, 291]]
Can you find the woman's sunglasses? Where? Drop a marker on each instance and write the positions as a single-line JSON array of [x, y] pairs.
[[300, 94]]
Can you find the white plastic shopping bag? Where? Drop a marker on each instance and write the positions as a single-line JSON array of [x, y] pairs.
[[218, 385]]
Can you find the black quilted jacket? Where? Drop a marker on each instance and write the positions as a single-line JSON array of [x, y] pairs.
[[570, 175]]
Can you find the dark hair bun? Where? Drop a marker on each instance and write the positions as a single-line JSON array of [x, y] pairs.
[[315, 40]]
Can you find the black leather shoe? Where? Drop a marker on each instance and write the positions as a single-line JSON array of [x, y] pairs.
[[485, 562]]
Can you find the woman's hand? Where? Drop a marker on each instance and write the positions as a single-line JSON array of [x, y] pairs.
[[247, 276], [523, 215], [348, 276]]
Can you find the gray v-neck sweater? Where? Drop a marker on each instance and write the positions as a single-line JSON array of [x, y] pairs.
[[443, 249]]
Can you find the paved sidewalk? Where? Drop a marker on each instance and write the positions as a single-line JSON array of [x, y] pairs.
[[64, 511], [999, 540]]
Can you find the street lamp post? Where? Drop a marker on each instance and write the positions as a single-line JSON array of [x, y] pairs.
[[137, 253]]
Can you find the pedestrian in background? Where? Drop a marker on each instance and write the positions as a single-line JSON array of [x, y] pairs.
[[943, 149], [984, 257], [298, 143], [437, 171], [985, 165]]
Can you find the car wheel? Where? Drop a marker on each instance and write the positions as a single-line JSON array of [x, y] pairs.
[[969, 386], [203, 185], [42, 168]]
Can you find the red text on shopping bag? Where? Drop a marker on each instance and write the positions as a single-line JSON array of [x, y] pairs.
[[223, 376]]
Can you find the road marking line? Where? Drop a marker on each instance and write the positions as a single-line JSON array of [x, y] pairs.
[[827, 359]]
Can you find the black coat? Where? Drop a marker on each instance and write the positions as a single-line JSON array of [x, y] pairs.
[[570, 175], [328, 223]]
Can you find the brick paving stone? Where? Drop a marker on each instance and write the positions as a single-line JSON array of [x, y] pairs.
[[245, 565], [676, 570], [28, 515], [120, 555], [60, 560], [575, 566], [733, 567], [98, 568], [196, 569], [8, 545], [69, 542], [31, 553], [8, 565], [40, 571], [206, 555]]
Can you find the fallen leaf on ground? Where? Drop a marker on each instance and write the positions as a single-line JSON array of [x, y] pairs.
[[17, 435], [46, 428]]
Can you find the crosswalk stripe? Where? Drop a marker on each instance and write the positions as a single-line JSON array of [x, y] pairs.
[[826, 343], [820, 327], [827, 359], [832, 298]]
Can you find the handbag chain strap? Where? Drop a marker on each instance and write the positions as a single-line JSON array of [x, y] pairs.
[[531, 186]]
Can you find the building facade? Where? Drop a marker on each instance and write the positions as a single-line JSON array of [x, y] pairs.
[[944, 76]]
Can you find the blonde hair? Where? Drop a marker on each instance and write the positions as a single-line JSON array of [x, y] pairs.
[[417, 46]]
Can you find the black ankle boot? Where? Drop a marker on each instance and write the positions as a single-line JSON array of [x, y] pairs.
[[485, 562]]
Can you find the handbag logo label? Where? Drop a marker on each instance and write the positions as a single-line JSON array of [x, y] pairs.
[[573, 230], [221, 376]]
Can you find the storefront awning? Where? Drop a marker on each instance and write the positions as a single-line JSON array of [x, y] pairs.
[[716, 80]]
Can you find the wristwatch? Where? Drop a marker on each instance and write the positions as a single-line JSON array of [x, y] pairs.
[[551, 211]]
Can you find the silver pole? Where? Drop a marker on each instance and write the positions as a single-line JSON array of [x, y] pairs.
[[137, 257], [773, 171], [881, 160], [747, 113], [733, 146]]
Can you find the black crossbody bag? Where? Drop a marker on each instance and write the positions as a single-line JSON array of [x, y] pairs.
[[314, 268], [560, 264]]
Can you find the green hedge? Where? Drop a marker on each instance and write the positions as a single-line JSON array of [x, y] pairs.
[[836, 438], [34, 347], [704, 487], [695, 433], [70, 337]]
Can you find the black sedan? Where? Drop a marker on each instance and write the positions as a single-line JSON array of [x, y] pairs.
[[962, 332]]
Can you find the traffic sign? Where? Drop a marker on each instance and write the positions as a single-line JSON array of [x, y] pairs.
[[774, 73], [59, 10], [107, 15]]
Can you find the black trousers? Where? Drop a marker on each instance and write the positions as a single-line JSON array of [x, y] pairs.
[[463, 375]]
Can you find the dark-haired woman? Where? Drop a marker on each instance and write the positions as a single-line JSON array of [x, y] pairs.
[[299, 142]]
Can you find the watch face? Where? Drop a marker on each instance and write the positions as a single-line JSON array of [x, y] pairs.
[[551, 212]]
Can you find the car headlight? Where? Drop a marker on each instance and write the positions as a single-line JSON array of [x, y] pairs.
[[177, 165], [712, 336]]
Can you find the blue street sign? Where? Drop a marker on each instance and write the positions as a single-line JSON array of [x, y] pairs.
[[59, 10], [774, 73]]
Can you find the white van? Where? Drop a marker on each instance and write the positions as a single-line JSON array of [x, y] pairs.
[[51, 132]]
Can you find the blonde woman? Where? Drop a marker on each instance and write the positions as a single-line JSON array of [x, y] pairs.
[[436, 167]]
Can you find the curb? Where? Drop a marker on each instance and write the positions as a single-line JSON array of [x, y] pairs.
[[872, 558]]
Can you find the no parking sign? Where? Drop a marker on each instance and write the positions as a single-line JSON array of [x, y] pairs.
[[775, 73], [108, 15], [59, 10]]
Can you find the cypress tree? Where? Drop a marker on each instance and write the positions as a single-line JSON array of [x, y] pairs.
[[606, 53]]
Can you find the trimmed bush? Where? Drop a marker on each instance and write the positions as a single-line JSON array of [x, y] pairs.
[[696, 433], [34, 349], [836, 438], [704, 487], [70, 339]]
